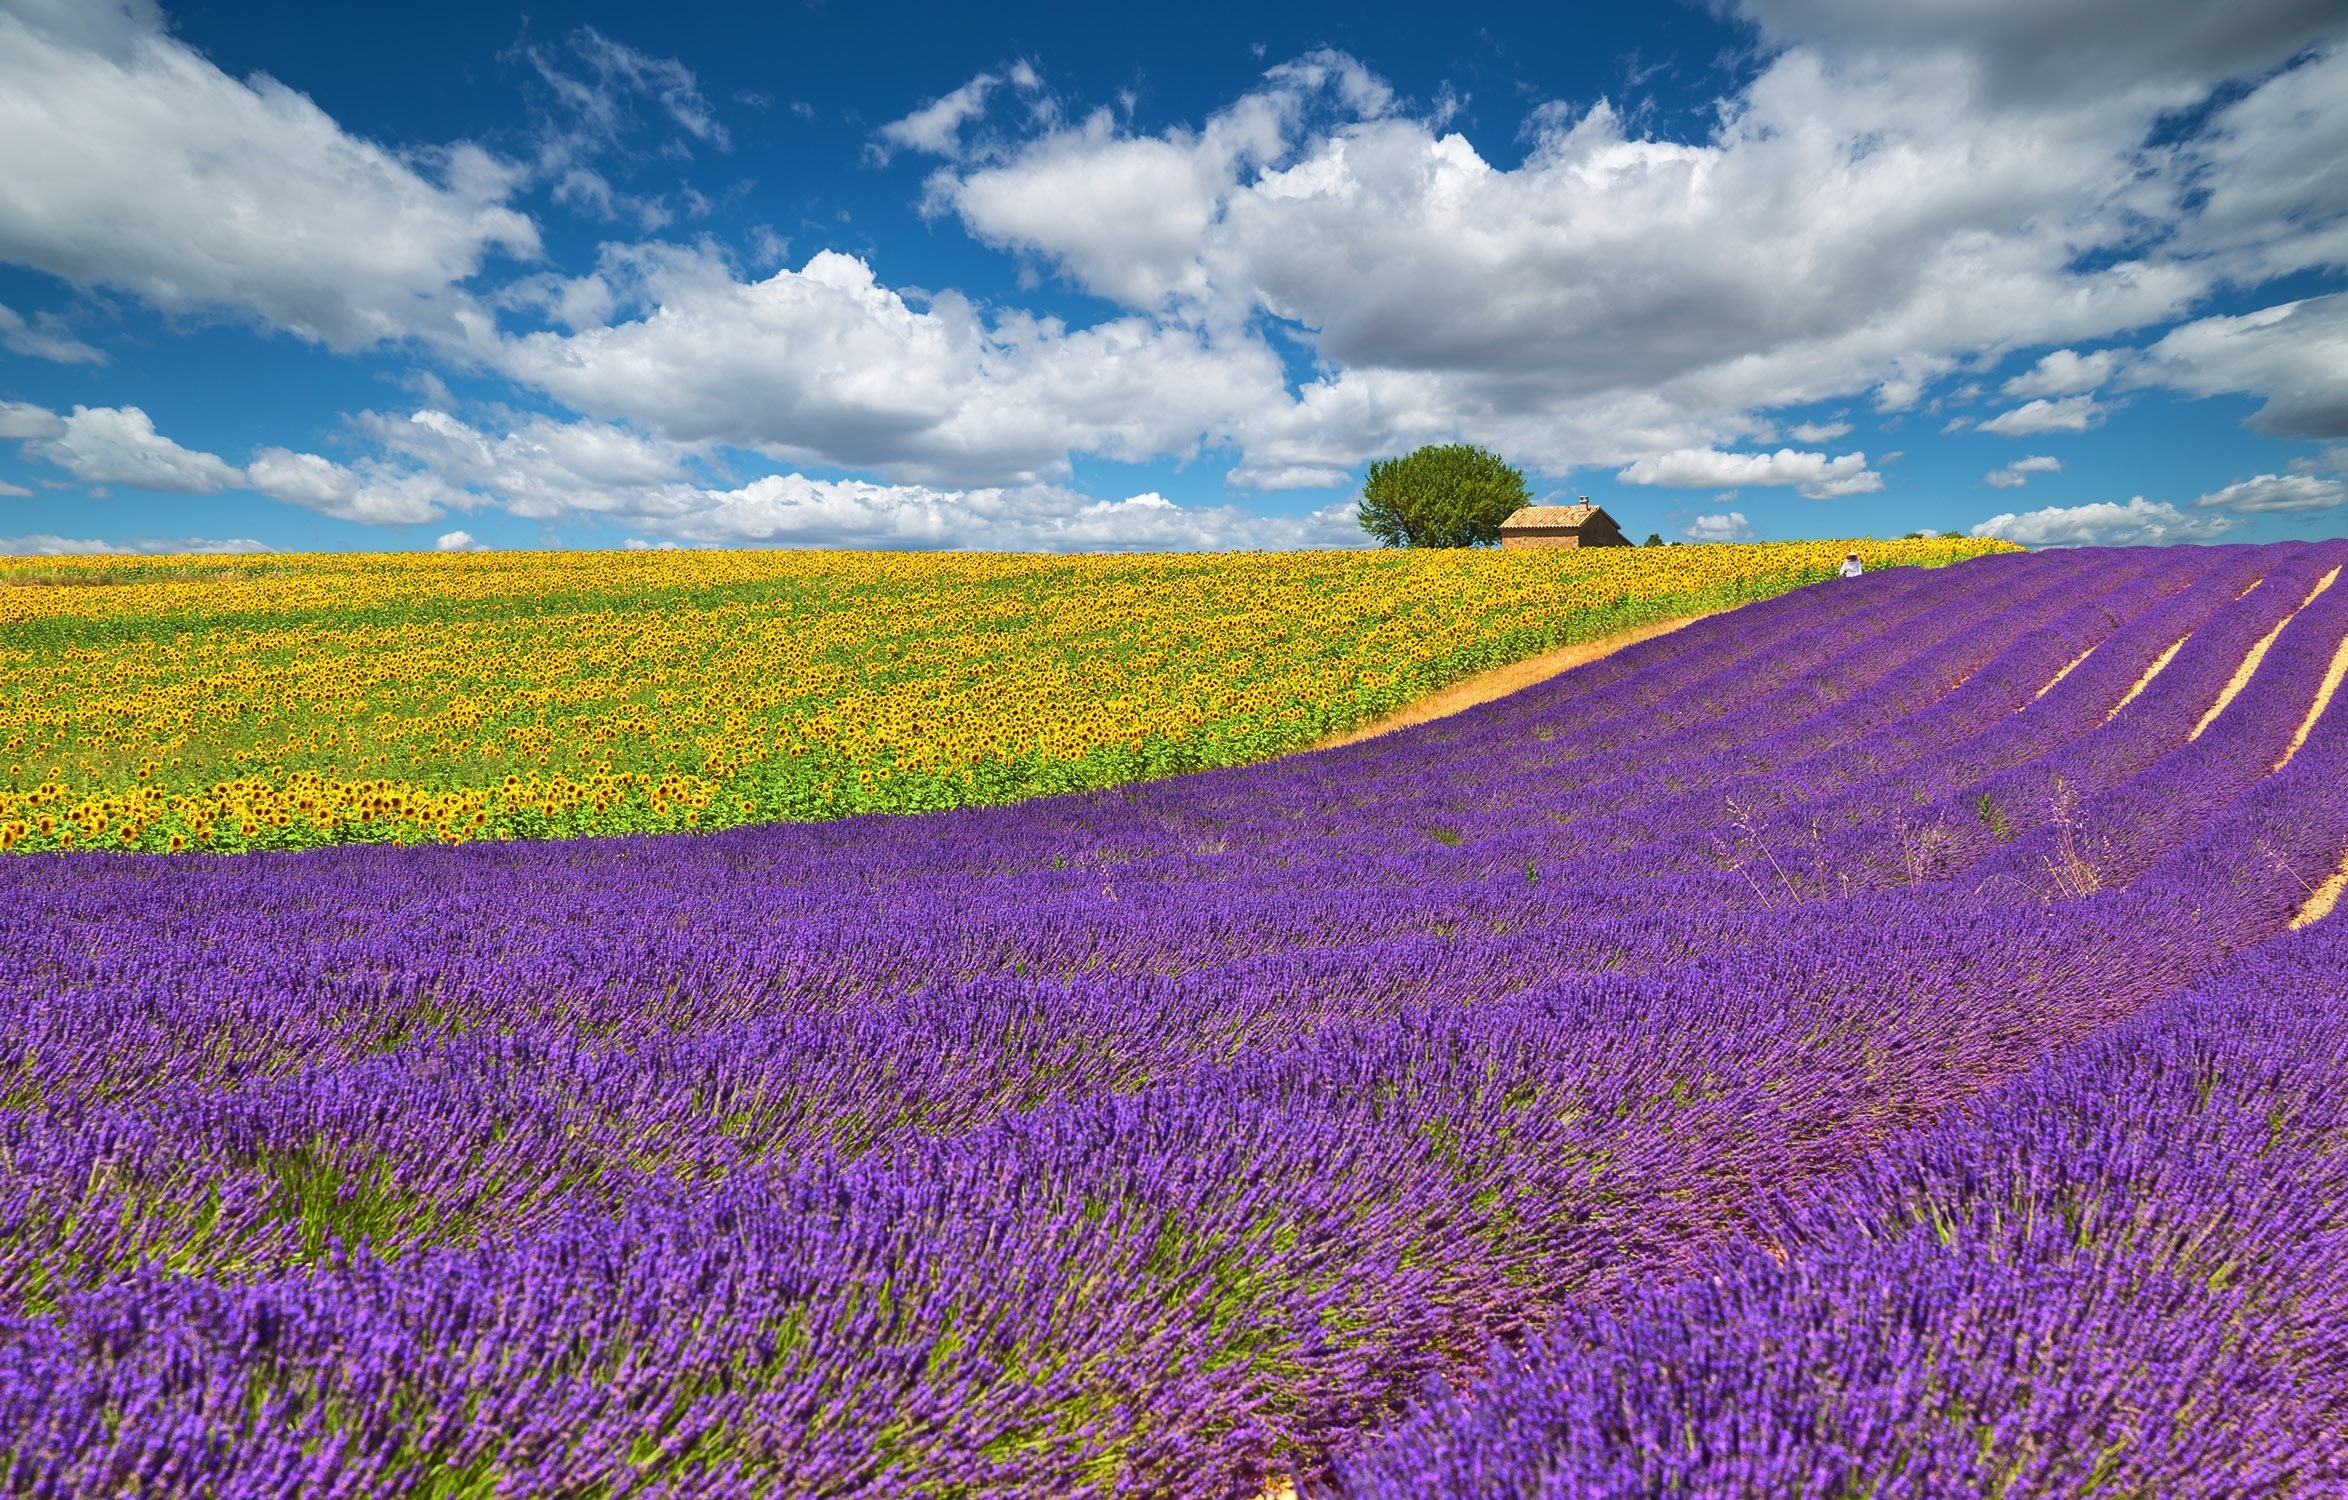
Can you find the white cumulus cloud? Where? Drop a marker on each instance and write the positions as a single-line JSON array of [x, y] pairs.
[[22, 419], [1131, 216], [2275, 167], [541, 468], [2295, 355], [112, 445], [546, 470], [2065, 372], [2033, 418], [1618, 295], [373, 493], [133, 162], [1729, 527], [2022, 50], [794, 510], [48, 545], [2277, 494], [119, 445], [824, 365], [1817, 432], [1814, 475], [936, 127], [2140, 522], [44, 338], [2016, 474]]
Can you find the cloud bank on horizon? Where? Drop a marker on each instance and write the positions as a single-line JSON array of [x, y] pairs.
[[1905, 259]]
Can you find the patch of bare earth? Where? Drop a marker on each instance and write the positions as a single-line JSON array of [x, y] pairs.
[[2323, 700], [2326, 896], [2146, 680], [2249, 667], [1484, 687], [2059, 676]]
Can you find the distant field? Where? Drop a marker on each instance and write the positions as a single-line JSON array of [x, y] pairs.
[[282, 702]]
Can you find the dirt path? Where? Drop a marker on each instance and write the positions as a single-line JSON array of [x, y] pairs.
[[2059, 676], [2249, 667], [2323, 898], [2323, 700], [2146, 680], [1501, 681]]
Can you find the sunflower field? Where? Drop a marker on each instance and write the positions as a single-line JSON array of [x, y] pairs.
[[232, 704]]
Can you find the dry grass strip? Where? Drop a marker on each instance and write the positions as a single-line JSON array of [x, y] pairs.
[[2249, 667], [2065, 672], [2146, 680], [1484, 687], [2324, 897], [2323, 699]]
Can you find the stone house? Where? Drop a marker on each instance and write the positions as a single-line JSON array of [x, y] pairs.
[[1562, 526]]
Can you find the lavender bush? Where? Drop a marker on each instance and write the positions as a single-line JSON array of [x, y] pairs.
[[1160, 1140], [2124, 1272]]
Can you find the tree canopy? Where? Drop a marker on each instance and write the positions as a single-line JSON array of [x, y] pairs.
[[1455, 495]]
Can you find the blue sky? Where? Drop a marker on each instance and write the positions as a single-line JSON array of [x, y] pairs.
[[1071, 276]]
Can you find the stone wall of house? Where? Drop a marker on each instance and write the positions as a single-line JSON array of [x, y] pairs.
[[1540, 539], [1576, 537]]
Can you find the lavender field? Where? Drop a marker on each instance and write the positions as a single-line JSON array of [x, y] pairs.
[[1857, 1045]]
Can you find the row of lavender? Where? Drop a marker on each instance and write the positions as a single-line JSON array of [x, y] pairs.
[[938, 1062], [1145, 1141], [2126, 1273], [341, 954]]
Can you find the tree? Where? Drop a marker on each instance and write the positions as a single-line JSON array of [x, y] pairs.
[[1451, 496], [1654, 539]]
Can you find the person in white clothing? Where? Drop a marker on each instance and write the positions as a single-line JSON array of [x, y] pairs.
[[1851, 567]]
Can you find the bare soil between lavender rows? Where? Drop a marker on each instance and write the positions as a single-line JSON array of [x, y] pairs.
[[1485, 687]]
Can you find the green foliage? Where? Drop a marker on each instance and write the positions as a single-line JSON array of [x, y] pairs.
[[1654, 539], [1993, 818], [1451, 496]]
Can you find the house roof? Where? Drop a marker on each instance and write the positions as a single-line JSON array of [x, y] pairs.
[[1546, 517]]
